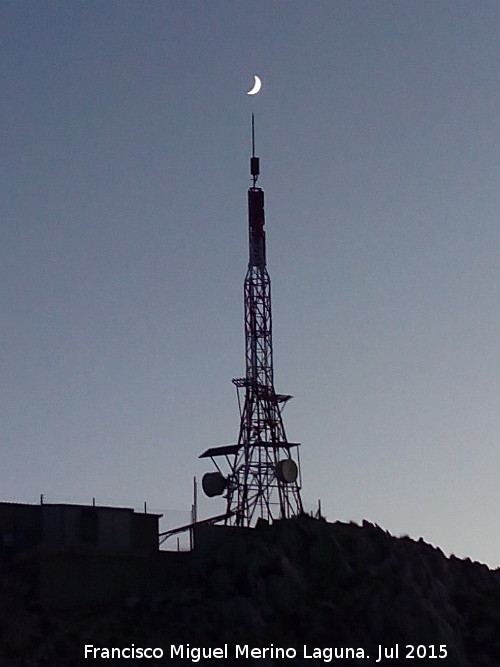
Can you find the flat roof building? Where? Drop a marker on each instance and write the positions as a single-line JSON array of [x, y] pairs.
[[77, 528]]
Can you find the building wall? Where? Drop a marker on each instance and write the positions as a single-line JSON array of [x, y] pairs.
[[145, 533], [208, 537], [82, 580], [76, 528], [20, 527], [99, 528], [75, 555]]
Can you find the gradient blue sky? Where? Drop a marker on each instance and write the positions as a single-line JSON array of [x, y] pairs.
[[125, 146]]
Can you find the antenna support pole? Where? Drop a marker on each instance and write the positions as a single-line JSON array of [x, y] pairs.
[[254, 161]]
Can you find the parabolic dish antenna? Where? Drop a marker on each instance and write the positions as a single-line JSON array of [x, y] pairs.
[[287, 471], [213, 484]]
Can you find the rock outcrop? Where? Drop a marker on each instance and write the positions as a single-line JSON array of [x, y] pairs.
[[294, 583]]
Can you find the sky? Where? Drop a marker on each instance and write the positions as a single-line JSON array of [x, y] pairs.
[[123, 249]]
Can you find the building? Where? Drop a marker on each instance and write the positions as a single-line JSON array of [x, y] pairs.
[[76, 529], [80, 555]]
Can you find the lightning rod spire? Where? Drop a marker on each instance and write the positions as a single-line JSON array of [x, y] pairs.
[[254, 161]]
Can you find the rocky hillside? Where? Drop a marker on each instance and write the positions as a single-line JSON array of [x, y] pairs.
[[318, 592]]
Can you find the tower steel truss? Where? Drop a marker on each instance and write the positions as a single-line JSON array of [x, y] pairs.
[[264, 479]]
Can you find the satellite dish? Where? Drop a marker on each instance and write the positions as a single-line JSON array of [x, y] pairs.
[[213, 484], [287, 471]]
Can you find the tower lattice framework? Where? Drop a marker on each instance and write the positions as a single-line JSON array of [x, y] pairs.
[[264, 479]]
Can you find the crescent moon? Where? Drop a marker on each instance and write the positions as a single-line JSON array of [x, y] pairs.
[[257, 85]]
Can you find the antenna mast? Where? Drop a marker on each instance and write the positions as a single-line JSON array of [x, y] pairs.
[[264, 479]]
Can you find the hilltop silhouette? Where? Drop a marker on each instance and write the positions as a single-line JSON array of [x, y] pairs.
[[297, 582]]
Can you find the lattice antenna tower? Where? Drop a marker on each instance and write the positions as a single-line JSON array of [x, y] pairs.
[[264, 477]]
